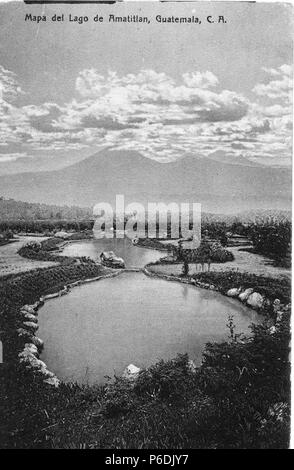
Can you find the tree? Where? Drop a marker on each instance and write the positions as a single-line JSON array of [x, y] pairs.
[[185, 269], [182, 255], [271, 239], [203, 254]]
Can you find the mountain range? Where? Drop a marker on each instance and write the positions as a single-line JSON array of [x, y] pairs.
[[218, 186]]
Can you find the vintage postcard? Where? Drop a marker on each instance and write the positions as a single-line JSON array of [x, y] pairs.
[[145, 227]]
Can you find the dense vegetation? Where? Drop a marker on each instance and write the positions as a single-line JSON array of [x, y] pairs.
[[44, 227], [207, 252], [155, 244], [36, 251], [277, 288], [238, 398], [11, 210], [47, 250], [270, 237], [273, 240], [269, 231], [213, 252]]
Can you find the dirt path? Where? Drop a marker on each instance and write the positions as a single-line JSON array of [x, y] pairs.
[[12, 263], [256, 264]]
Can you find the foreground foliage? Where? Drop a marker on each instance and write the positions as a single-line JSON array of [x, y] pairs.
[[238, 398], [277, 288]]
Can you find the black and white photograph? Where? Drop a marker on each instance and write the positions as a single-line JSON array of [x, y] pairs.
[[145, 227]]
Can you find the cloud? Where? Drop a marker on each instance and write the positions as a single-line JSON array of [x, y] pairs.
[[200, 80], [107, 123], [9, 87], [282, 70], [116, 103], [261, 128], [42, 118], [278, 89], [157, 115], [11, 157]]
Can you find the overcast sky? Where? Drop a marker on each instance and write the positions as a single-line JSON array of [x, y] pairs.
[[167, 91]]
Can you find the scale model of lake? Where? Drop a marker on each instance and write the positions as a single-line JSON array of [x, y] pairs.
[[101, 328]]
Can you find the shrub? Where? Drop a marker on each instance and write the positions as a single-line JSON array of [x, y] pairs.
[[278, 288], [272, 239]]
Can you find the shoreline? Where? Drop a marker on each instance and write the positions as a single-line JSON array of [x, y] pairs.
[[28, 356], [233, 292], [61, 398]]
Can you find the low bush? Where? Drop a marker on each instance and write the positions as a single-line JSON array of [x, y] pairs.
[[44, 251], [278, 288], [237, 399]]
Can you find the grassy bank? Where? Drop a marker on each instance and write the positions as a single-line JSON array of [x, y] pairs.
[[155, 244], [27, 288], [272, 289], [223, 281], [46, 250]]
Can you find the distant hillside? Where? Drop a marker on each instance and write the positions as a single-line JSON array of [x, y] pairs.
[[248, 217], [11, 210], [264, 216], [218, 186]]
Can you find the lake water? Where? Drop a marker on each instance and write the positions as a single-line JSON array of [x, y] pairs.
[[134, 256], [101, 328]]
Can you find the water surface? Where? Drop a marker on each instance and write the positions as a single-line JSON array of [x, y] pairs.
[[102, 327], [133, 256]]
